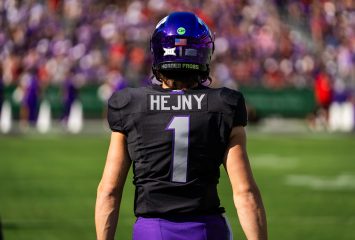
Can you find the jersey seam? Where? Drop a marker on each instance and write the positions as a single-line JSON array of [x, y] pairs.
[[160, 229]]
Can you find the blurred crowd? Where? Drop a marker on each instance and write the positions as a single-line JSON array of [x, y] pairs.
[[270, 43], [274, 44]]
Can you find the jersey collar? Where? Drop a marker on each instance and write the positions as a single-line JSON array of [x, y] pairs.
[[159, 88]]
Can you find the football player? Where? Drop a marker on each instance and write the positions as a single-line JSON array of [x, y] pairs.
[[177, 135], [29, 85]]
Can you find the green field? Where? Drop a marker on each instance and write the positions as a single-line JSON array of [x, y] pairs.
[[48, 186]]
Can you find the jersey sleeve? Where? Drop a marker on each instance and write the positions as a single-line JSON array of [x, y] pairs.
[[236, 102], [240, 114], [117, 102]]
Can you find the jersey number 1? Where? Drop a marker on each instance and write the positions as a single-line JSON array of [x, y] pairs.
[[181, 126]]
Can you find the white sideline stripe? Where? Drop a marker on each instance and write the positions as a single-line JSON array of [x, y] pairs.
[[273, 161], [342, 181]]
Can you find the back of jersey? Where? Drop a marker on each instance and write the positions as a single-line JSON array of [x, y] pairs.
[[177, 141]]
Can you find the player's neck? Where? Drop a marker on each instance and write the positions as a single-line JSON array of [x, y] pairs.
[[178, 85]]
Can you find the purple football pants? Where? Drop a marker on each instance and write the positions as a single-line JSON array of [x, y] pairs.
[[214, 227]]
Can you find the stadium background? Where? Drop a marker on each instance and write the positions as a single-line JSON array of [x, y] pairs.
[[291, 59]]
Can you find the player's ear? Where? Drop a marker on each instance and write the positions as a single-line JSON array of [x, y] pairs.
[[157, 74]]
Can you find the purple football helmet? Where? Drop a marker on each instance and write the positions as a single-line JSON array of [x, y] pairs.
[[182, 41]]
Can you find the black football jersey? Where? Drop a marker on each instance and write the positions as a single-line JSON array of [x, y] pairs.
[[177, 142]]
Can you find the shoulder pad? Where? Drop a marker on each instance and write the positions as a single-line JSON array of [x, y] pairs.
[[119, 99], [229, 96]]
